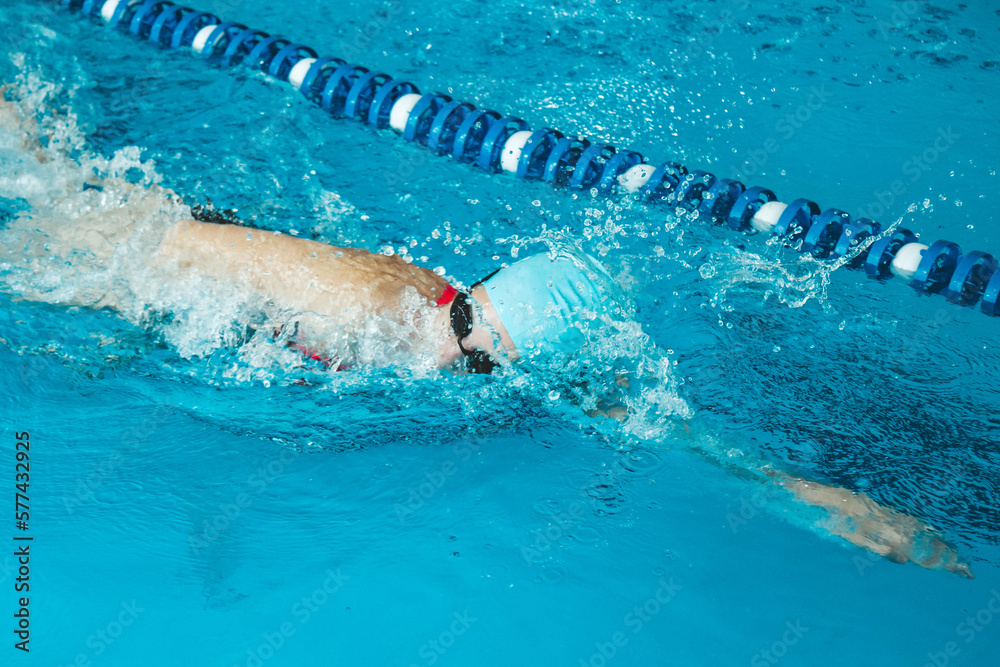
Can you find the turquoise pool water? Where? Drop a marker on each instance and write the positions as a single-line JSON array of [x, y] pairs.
[[194, 501]]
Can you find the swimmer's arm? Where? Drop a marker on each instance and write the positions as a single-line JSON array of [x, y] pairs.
[[852, 516], [885, 531], [299, 274]]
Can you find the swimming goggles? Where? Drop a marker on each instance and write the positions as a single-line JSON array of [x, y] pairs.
[[478, 361]]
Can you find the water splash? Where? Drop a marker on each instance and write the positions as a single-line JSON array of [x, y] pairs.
[[82, 229]]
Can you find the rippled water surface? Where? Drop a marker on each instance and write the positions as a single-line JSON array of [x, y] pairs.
[[237, 507]]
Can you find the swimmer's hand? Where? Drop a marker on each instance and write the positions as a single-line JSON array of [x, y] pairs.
[[610, 408], [882, 530]]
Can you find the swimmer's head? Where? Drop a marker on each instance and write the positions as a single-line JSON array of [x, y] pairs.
[[547, 303]]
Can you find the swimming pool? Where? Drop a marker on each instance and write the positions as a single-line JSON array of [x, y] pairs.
[[194, 502]]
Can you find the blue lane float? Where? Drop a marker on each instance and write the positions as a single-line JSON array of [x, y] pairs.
[[499, 143]]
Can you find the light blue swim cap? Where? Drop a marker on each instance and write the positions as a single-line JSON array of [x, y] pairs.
[[547, 303]]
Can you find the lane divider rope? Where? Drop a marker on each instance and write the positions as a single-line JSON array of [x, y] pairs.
[[500, 143]]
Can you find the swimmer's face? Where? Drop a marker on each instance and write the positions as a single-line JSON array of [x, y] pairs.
[[489, 333], [486, 338]]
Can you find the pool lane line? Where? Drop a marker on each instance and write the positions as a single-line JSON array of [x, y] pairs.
[[500, 143]]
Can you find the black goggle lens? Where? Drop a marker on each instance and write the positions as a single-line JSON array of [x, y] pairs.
[[478, 361]]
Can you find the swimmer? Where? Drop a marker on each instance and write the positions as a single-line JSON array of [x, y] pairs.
[[537, 305], [544, 305]]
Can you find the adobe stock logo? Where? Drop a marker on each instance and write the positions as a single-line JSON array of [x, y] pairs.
[[433, 649], [902, 13], [970, 628], [705, 34], [785, 128], [914, 168], [779, 649], [635, 620]]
